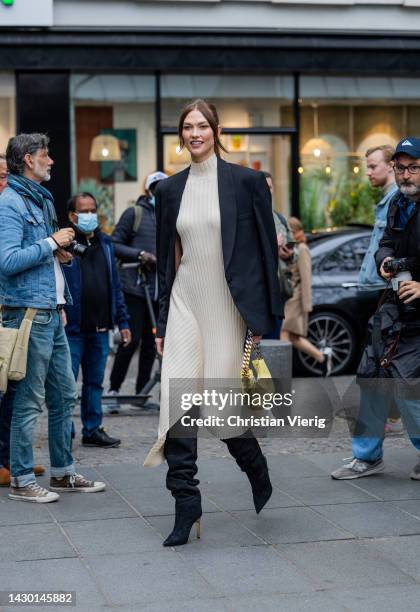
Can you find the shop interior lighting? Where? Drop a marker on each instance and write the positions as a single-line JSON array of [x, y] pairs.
[[105, 147], [356, 169], [328, 169], [300, 169]]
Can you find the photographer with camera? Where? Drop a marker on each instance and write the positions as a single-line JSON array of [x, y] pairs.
[[134, 238], [393, 352], [98, 305], [32, 249]]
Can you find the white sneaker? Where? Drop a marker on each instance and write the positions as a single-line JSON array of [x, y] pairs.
[[357, 469], [33, 493], [327, 364]]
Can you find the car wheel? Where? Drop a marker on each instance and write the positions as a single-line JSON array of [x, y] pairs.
[[327, 329]]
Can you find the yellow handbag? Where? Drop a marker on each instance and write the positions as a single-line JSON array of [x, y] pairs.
[[255, 376]]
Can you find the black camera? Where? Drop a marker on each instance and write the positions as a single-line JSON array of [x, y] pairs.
[[76, 249], [401, 270], [404, 264]]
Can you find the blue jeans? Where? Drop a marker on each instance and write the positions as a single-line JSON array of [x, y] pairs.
[[90, 350], [6, 408], [373, 413], [48, 378]]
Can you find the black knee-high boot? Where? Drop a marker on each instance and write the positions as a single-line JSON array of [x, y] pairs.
[[248, 454], [181, 456]]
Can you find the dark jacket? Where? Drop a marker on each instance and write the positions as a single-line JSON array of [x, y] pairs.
[[398, 242], [248, 240], [129, 244], [72, 273]]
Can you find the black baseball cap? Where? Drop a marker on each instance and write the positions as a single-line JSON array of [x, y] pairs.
[[410, 146]]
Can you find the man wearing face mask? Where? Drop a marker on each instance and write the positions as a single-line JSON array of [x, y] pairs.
[[98, 305], [134, 238]]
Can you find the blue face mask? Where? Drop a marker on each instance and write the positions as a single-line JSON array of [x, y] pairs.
[[152, 200], [87, 222]]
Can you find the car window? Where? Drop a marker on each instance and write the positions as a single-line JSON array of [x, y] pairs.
[[346, 258]]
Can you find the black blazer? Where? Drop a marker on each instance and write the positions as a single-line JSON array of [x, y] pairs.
[[248, 240]]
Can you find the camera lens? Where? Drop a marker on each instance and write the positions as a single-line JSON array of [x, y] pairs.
[[77, 249]]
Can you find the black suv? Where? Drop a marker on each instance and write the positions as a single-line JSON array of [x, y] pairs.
[[340, 309]]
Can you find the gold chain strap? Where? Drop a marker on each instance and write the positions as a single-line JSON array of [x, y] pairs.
[[250, 346]]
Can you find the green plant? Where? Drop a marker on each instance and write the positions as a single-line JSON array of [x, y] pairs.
[[312, 214], [354, 201]]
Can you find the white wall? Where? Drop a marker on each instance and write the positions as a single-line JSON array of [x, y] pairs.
[[7, 109], [359, 15], [27, 13], [142, 118], [5, 123]]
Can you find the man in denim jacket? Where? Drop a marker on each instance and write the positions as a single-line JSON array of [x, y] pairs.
[[31, 254], [380, 172]]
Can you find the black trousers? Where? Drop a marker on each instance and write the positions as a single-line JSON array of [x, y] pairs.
[[6, 410], [141, 330], [181, 456]]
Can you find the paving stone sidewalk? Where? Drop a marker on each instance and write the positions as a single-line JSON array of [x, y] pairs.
[[320, 545]]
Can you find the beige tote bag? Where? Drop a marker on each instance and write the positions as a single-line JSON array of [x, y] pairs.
[[14, 349], [17, 368]]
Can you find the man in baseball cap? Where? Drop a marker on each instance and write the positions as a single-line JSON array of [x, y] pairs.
[[409, 146], [134, 239], [392, 355]]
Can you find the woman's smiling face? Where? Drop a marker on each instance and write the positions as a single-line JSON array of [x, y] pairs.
[[198, 136]]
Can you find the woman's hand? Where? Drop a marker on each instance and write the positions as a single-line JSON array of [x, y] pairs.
[[256, 339], [159, 345]]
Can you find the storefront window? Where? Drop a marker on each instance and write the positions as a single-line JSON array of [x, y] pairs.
[[342, 117], [7, 109], [269, 153], [123, 107], [241, 102]]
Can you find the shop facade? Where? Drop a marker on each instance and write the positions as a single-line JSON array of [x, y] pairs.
[[303, 104]]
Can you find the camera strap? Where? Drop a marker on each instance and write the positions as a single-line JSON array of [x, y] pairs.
[[388, 356], [378, 344]]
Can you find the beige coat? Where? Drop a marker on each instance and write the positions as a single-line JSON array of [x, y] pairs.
[[300, 304]]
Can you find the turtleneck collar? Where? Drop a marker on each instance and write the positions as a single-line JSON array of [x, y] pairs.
[[205, 168]]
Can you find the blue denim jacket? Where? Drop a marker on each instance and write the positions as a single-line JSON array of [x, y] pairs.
[[368, 276], [26, 259]]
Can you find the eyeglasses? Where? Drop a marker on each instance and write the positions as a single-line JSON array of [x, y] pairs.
[[413, 169]]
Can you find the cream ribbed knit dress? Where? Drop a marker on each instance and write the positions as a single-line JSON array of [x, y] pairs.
[[205, 332]]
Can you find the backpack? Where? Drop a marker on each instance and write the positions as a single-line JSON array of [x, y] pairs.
[[138, 213]]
